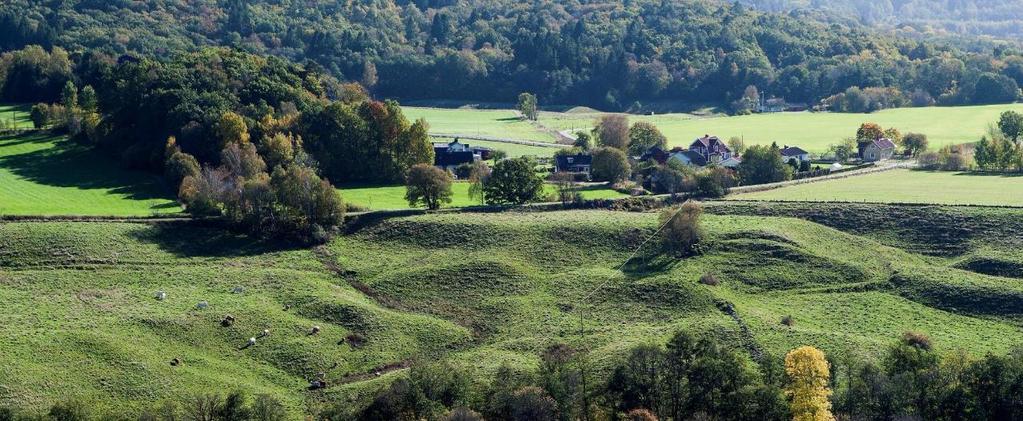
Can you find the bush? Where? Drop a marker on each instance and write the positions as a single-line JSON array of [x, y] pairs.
[[929, 160], [681, 233], [917, 340], [709, 279]]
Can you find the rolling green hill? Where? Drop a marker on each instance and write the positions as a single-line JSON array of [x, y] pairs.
[[480, 289]]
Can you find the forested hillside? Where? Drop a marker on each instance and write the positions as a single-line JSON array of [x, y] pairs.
[[997, 18], [603, 53]]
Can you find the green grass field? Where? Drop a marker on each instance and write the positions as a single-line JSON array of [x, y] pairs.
[[811, 131], [496, 123], [479, 289], [46, 175], [905, 186], [18, 114], [393, 197]]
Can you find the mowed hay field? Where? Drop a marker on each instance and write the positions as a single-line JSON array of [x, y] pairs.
[[466, 121], [480, 289], [41, 174], [393, 197], [904, 186]]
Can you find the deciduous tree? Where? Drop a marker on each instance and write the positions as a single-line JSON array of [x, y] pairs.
[[428, 185], [809, 378]]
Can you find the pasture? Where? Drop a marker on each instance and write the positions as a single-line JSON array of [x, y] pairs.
[[479, 289], [905, 186], [513, 150], [42, 174], [465, 121]]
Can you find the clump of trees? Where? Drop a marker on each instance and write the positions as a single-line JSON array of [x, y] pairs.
[[763, 164], [513, 181], [611, 165], [291, 202], [1001, 150], [528, 106]]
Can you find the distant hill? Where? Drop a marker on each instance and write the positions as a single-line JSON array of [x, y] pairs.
[[602, 53], [994, 18]]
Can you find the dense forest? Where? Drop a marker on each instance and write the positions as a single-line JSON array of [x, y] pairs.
[[995, 18], [603, 53]]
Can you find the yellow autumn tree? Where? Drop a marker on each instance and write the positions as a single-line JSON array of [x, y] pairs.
[[808, 392], [232, 129]]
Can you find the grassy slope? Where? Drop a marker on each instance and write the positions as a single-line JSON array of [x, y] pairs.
[[46, 175], [812, 131], [393, 197], [484, 289], [905, 186], [496, 123]]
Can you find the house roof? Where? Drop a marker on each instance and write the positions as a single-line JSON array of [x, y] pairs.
[[710, 142], [693, 157], [793, 151], [884, 143], [445, 158], [562, 161]]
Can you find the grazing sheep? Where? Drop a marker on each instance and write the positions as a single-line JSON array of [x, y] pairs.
[[314, 330], [227, 321], [252, 341], [266, 332], [202, 305], [160, 295], [175, 362], [317, 384], [238, 290]]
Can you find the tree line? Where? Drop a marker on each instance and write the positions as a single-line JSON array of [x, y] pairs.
[[610, 54]]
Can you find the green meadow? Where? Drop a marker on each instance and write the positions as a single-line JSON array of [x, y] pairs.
[[16, 113], [478, 289], [905, 186], [465, 121], [41, 174]]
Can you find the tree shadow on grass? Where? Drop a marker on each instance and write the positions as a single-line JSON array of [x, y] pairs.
[[207, 239], [67, 164]]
